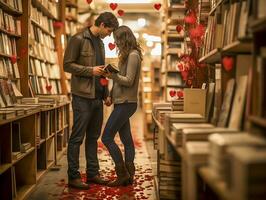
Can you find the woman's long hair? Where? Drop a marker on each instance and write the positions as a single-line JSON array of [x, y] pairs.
[[126, 42]]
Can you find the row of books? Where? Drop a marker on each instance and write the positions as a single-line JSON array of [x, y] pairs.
[[51, 6], [7, 45], [71, 11], [71, 27], [8, 70], [43, 53], [227, 25], [16, 4], [42, 20], [39, 85], [37, 34], [9, 23], [204, 9], [43, 69], [7, 94]]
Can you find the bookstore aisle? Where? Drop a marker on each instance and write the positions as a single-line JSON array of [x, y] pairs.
[[54, 184]]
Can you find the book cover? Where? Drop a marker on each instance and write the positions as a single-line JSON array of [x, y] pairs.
[[111, 68]]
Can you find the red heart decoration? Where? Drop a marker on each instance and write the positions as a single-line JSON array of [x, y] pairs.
[[111, 46], [113, 6], [180, 67], [157, 6], [48, 88], [13, 59], [179, 28], [189, 82], [184, 74], [103, 81], [180, 94], [228, 63], [89, 1], [120, 12], [58, 24], [172, 93]]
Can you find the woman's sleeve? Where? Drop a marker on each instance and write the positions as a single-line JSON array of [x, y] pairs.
[[133, 65]]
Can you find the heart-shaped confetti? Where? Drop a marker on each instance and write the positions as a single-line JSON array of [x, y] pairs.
[[121, 12], [113, 6], [48, 88], [180, 94], [111, 46], [103, 81], [179, 28], [228, 63], [89, 1], [157, 6], [172, 93], [13, 59], [58, 24]]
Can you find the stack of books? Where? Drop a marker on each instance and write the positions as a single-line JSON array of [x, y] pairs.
[[178, 105]]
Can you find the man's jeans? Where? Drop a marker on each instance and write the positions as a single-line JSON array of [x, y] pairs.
[[119, 122], [88, 118]]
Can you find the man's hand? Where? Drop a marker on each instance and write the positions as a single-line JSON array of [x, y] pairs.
[[98, 70], [108, 101], [107, 74]]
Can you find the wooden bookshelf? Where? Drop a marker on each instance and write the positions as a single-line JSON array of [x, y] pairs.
[[213, 56]]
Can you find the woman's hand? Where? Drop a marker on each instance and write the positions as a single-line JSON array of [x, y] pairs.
[[107, 74]]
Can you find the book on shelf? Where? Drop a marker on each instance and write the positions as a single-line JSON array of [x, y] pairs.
[[25, 146], [7, 114]]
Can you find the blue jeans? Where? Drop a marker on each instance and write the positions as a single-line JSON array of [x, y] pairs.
[[119, 122], [88, 118]]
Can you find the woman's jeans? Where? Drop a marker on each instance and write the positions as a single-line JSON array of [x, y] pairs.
[[119, 122]]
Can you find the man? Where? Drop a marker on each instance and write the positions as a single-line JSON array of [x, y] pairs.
[[84, 59]]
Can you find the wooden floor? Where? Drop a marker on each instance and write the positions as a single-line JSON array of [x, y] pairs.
[[54, 184]]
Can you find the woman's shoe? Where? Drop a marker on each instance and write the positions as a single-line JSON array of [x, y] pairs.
[[131, 170], [122, 176]]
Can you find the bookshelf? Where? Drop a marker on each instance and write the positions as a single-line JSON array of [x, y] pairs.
[[172, 48]]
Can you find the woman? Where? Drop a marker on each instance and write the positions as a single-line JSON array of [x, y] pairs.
[[124, 96]]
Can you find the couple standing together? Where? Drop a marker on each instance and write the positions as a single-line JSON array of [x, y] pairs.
[[84, 59]]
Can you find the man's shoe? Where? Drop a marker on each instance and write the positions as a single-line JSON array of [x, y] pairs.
[[78, 184], [97, 180]]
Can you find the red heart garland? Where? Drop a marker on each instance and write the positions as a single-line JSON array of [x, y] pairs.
[[103, 81], [180, 94], [120, 12], [228, 63], [89, 1], [58, 24], [179, 28], [157, 6], [172, 93], [113, 6], [111, 46], [13, 59], [48, 88]]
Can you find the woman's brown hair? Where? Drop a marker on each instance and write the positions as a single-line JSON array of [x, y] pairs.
[[126, 42]]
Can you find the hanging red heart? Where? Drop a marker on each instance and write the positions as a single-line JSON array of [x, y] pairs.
[[103, 81], [13, 59], [179, 28], [120, 12], [180, 94], [48, 88], [113, 6], [180, 67], [157, 6], [172, 93], [89, 1], [191, 18], [189, 82], [111, 46], [228, 63], [58, 24]]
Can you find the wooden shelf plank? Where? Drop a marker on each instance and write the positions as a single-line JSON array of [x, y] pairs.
[[4, 167], [217, 186], [42, 28], [39, 5], [238, 47], [9, 33], [258, 24], [6, 55], [212, 57], [8, 9], [24, 191], [258, 120], [23, 155], [2, 122]]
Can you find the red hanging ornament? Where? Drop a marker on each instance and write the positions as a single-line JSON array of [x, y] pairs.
[[179, 28], [180, 67], [103, 81], [48, 88], [157, 6], [121, 12], [180, 94], [172, 93], [184, 75], [13, 59], [189, 82], [228, 63], [89, 1], [191, 18], [113, 6], [111, 46], [58, 24]]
